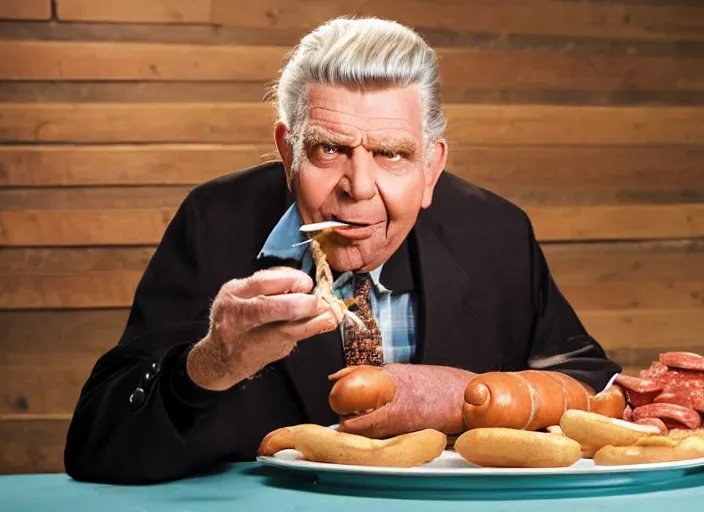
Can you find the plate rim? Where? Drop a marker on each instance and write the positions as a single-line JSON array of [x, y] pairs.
[[475, 471]]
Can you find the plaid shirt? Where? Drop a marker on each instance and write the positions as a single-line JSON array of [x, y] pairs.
[[395, 313]]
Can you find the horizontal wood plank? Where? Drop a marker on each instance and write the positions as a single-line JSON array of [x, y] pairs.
[[55, 391], [530, 175], [32, 446], [42, 60], [151, 11], [79, 331], [42, 166], [469, 68], [559, 223], [25, 10], [513, 17], [252, 123], [650, 275], [85, 227], [113, 122]]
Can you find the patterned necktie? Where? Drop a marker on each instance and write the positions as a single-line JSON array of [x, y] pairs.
[[363, 346]]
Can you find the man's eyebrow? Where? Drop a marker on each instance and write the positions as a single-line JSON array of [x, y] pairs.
[[401, 145], [318, 135], [315, 135]]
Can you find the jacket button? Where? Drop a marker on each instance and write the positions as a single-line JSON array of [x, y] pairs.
[[137, 397]]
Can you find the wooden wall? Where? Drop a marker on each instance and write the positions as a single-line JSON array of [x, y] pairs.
[[588, 114]]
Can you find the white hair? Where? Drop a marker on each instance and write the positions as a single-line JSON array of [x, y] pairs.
[[358, 54]]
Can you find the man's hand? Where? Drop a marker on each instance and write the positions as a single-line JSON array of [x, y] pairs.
[[255, 321]]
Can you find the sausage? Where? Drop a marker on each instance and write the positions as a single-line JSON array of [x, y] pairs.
[[610, 402], [530, 399], [684, 415], [682, 360], [394, 399]]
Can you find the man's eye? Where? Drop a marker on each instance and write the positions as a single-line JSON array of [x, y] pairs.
[[391, 156], [328, 149]]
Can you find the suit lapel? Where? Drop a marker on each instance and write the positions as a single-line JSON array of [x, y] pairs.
[[449, 326]]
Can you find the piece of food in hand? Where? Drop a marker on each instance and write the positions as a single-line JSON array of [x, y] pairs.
[[595, 430], [324, 281], [511, 448], [384, 401], [323, 444], [647, 451], [529, 399]]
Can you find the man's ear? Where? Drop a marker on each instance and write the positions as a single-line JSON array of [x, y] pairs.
[[433, 169], [285, 150]]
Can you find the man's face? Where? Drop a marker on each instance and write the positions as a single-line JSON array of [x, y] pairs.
[[363, 164]]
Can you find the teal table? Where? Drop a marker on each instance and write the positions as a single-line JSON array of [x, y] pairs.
[[245, 487]]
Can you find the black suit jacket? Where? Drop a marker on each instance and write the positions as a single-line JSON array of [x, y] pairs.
[[486, 302]]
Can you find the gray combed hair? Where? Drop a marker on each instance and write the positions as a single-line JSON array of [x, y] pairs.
[[358, 54]]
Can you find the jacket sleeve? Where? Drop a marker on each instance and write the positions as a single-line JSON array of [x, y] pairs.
[[560, 342], [139, 417]]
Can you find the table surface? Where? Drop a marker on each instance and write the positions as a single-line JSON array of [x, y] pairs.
[[251, 486]]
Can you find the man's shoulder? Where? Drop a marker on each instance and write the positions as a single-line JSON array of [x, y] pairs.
[[462, 205], [241, 187]]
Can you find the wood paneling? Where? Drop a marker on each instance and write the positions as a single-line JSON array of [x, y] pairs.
[[159, 11], [25, 10], [32, 446], [252, 123], [516, 17], [481, 69]]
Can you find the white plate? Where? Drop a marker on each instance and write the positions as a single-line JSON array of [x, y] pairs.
[[450, 472]]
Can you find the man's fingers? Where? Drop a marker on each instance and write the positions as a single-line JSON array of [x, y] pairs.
[[303, 329], [273, 281], [263, 310]]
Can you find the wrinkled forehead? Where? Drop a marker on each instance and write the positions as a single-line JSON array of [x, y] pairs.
[[379, 114]]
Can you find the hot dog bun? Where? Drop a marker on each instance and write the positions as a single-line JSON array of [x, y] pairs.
[[506, 447], [646, 452], [595, 430], [323, 444]]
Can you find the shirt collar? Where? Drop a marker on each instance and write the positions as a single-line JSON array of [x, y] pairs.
[[395, 273]]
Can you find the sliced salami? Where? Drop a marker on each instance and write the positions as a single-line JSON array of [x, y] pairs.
[[684, 415], [683, 360], [656, 422], [691, 398], [639, 385]]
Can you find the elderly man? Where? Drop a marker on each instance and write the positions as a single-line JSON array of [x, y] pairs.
[[225, 342]]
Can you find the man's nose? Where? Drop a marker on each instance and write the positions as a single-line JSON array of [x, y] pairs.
[[359, 182]]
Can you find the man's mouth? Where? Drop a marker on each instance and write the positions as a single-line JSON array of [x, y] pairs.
[[353, 223]]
